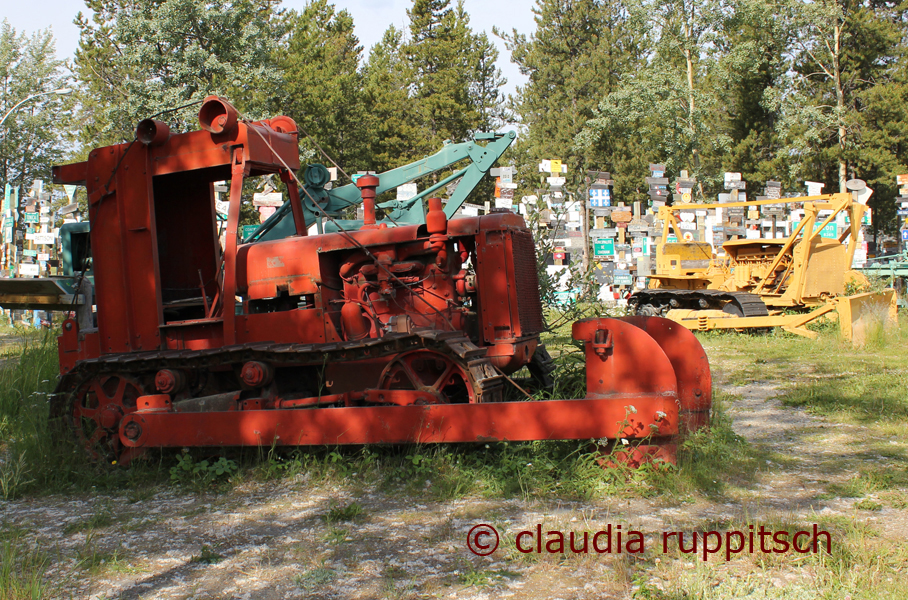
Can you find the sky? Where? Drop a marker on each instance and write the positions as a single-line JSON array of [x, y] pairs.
[[370, 17]]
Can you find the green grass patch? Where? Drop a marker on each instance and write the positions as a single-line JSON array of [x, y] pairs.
[[38, 456], [22, 570], [827, 377], [206, 556]]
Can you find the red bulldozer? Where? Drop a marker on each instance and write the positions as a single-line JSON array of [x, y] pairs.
[[403, 327]]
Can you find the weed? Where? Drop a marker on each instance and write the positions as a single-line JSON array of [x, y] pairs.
[[22, 570], [315, 578], [470, 576], [207, 556], [336, 535], [94, 560], [13, 475], [868, 504], [338, 513], [200, 475]]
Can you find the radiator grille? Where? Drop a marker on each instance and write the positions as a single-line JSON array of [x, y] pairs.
[[527, 283]]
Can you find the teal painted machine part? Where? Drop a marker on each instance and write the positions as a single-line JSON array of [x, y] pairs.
[[408, 212]]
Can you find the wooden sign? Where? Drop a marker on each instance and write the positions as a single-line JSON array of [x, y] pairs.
[[622, 216]]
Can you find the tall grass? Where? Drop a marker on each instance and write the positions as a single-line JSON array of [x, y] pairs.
[[22, 571], [28, 374], [36, 454]]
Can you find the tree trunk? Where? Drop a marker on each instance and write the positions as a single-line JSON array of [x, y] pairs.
[[690, 76], [840, 106]]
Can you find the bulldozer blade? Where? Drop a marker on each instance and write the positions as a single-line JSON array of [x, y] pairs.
[[623, 359], [690, 365], [863, 316]]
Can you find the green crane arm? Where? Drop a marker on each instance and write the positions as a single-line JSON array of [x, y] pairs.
[[409, 212]]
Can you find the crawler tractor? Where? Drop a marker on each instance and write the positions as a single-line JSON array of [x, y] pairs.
[[401, 328], [758, 279]]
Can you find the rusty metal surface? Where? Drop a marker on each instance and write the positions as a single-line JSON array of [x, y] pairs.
[[690, 366], [436, 423]]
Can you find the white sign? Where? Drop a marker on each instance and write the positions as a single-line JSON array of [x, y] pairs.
[[507, 174], [508, 186], [503, 202], [44, 219], [43, 256], [545, 166], [44, 239], [686, 225], [274, 199], [732, 177], [556, 180], [44, 210], [470, 211], [406, 191], [26, 270], [333, 172], [221, 207], [70, 192], [814, 188]]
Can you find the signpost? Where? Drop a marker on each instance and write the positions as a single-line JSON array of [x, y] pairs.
[[603, 248]]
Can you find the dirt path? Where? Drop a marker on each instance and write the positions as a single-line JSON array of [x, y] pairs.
[[272, 540]]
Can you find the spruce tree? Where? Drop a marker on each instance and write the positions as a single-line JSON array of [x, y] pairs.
[[323, 85]]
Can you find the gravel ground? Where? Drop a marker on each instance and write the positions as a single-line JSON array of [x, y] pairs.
[[270, 540]]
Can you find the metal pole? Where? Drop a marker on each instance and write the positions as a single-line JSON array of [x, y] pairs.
[[60, 92]]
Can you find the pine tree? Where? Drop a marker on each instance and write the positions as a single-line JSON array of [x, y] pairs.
[[323, 89], [438, 83], [840, 49], [439, 53], [579, 53], [751, 46], [392, 122]]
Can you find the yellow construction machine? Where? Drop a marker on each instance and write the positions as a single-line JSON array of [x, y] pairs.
[[762, 283]]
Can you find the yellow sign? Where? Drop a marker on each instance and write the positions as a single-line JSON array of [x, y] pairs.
[[685, 197], [902, 179], [556, 166]]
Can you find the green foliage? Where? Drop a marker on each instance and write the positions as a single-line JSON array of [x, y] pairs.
[[670, 101], [138, 59], [102, 517], [580, 51], [33, 136], [22, 570], [323, 86], [338, 513], [207, 556], [316, 578], [202, 474]]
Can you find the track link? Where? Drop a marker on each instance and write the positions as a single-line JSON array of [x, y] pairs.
[[486, 380], [656, 301]]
